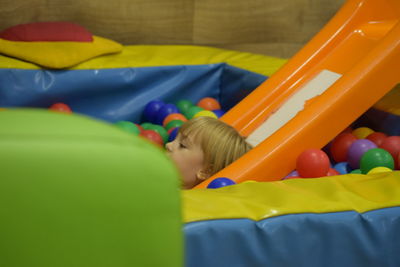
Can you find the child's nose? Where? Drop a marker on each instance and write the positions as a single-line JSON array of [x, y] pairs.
[[168, 146]]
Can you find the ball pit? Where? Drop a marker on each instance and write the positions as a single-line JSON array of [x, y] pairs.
[[375, 153], [163, 120]]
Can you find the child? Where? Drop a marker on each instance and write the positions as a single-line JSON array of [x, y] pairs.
[[203, 147]]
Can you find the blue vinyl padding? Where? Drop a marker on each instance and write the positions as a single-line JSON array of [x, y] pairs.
[[345, 239], [121, 93]]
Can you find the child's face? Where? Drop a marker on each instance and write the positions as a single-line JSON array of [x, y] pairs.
[[189, 158]]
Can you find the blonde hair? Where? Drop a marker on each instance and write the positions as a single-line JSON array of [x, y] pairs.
[[220, 142]]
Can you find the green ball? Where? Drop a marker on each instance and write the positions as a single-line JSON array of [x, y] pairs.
[[174, 124], [146, 125], [184, 105], [356, 171], [160, 130], [128, 126], [376, 157], [192, 111]]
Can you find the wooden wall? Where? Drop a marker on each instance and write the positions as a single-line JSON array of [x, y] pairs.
[[272, 27]]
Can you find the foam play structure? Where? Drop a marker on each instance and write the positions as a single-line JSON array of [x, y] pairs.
[[108, 199]]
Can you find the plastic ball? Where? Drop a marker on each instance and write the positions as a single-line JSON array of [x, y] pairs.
[[220, 182], [332, 172], [152, 136], [128, 126], [209, 103], [357, 149], [376, 157], [151, 110], [377, 138], [174, 124], [312, 163], [164, 112], [392, 145], [362, 132], [219, 112], [192, 111], [173, 134], [205, 113], [172, 117], [139, 127], [184, 105], [356, 171], [342, 167], [146, 125], [340, 146], [292, 174], [160, 130], [379, 170], [60, 107]]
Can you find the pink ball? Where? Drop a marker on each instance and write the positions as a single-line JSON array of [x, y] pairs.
[[312, 163]]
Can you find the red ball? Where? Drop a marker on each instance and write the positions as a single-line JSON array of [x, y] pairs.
[[140, 127], [398, 162], [60, 107], [312, 163], [332, 172], [153, 136], [377, 138], [209, 103], [392, 145], [340, 146]]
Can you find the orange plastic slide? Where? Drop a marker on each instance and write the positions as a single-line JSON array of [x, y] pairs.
[[355, 57]]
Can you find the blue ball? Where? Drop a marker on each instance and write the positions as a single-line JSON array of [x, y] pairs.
[[151, 110], [173, 134], [220, 182], [219, 112], [164, 112], [343, 167]]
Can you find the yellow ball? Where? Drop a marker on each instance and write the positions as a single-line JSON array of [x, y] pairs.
[[379, 170], [205, 113], [362, 132]]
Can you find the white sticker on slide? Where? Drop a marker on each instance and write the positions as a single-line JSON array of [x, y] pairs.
[[294, 105]]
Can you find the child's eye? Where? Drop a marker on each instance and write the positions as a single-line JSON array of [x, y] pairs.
[[182, 145]]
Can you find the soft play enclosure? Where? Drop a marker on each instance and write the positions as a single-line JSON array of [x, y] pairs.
[[75, 190]]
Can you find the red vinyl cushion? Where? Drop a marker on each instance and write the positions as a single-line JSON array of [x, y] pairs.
[[47, 31]]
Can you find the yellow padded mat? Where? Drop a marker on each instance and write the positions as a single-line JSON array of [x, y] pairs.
[[168, 55], [257, 201]]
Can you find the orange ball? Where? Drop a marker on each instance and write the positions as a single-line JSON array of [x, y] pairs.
[[60, 107], [174, 117], [209, 103]]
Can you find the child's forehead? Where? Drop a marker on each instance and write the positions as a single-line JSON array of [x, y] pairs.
[[191, 137]]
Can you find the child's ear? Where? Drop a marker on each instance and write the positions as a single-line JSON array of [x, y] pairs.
[[203, 174]]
